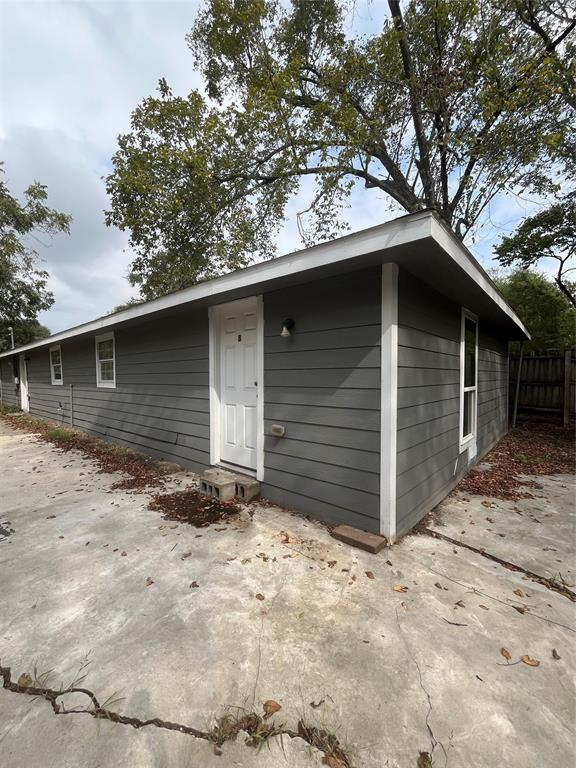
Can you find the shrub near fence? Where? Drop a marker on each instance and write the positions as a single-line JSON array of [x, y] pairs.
[[547, 382]]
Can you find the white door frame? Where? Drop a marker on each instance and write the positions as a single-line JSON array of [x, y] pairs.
[[23, 375], [214, 313]]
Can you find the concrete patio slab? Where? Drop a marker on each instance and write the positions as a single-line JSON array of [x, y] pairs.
[[536, 533], [398, 652]]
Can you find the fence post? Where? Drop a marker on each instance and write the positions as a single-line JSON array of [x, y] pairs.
[[518, 375], [567, 382], [71, 405]]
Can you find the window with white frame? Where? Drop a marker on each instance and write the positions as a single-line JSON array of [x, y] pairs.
[[56, 365], [105, 366], [468, 377]]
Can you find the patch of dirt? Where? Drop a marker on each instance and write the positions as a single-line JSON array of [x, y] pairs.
[[532, 448], [190, 506], [141, 471]]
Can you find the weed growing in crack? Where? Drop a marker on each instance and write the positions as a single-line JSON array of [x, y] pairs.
[[260, 728]]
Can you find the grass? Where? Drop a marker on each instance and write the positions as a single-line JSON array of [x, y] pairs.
[[59, 434], [5, 408]]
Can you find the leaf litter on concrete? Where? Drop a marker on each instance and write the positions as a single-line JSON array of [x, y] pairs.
[[532, 448], [190, 506], [141, 471]]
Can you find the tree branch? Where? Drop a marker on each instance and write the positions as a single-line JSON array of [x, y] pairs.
[[415, 108], [483, 132]]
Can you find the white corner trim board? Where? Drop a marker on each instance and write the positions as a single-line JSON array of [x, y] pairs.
[[260, 403], [388, 401]]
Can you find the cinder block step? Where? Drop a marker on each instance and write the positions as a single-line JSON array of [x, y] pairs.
[[218, 483], [247, 488], [371, 542], [224, 485]]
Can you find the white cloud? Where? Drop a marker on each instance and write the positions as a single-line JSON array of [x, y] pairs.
[[70, 75]]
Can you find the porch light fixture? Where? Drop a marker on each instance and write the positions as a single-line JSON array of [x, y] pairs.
[[287, 327]]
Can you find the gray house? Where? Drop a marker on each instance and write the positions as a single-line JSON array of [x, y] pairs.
[[356, 380]]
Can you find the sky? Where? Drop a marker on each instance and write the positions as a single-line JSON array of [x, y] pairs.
[[70, 75]]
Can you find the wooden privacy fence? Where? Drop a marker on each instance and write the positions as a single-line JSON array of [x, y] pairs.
[[547, 382]]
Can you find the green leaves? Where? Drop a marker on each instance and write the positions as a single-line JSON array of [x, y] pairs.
[[546, 313], [23, 287], [450, 106], [550, 233]]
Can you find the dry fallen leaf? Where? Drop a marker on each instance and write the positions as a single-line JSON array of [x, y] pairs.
[[519, 592], [504, 652], [333, 762], [400, 588], [149, 581], [370, 575], [520, 608], [271, 707], [530, 662], [25, 680], [259, 596]]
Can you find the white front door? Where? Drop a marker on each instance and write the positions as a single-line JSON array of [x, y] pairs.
[[238, 381], [23, 372]]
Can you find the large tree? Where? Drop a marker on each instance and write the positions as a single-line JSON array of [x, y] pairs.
[[23, 284], [451, 103], [550, 233]]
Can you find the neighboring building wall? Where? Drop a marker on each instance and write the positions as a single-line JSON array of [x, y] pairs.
[[10, 391], [429, 462], [160, 404], [323, 385]]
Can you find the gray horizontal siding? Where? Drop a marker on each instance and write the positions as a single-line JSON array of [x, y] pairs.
[[10, 391], [323, 385], [429, 461], [492, 388], [160, 404]]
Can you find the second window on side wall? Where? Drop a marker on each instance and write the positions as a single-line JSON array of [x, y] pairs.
[[469, 361], [105, 367], [56, 365]]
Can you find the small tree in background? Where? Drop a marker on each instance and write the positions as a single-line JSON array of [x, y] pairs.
[[23, 286], [551, 233], [543, 308]]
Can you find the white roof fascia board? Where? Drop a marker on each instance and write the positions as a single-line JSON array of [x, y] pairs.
[[401, 231], [392, 233], [460, 255]]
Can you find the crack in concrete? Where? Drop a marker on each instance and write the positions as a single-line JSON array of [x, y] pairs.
[[433, 740], [551, 584], [264, 615], [225, 730]]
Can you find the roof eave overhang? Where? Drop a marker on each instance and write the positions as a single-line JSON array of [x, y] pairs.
[[414, 241]]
